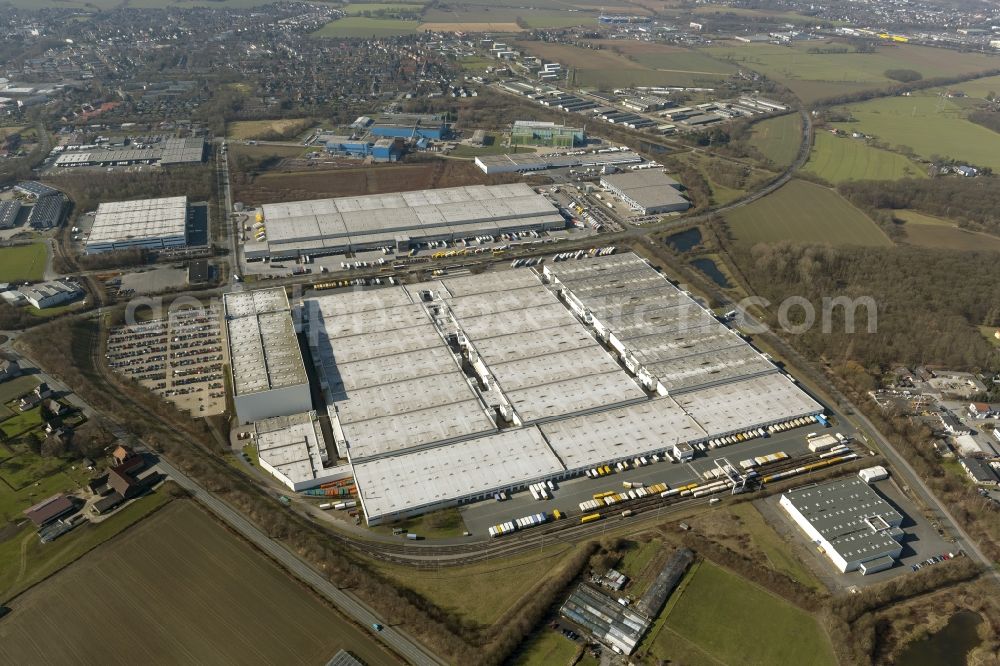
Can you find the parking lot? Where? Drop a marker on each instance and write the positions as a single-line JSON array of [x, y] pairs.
[[179, 358], [479, 517]]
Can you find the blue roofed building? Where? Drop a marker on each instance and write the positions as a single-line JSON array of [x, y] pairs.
[[387, 150], [348, 147]]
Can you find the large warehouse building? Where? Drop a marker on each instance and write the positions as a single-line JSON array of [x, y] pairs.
[[144, 223], [269, 376], [542, 133], [352, 224], [451, 390], [649, 192], [849, 522]]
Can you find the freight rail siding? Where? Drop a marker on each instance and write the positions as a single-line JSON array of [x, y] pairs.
[[432, 557]]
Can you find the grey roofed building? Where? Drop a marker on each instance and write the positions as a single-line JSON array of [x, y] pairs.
[[47, 211], [979, 471], [848, 520], [35, 189], [8, 213], [648, 191], [9, 369]]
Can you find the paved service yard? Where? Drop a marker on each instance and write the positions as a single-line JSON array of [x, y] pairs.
[[481, 516], [180, 358]]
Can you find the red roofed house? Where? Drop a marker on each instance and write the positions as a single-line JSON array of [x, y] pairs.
[[980, 410]]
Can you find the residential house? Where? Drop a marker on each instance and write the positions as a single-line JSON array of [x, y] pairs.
[[30, 401], [952, 425], [979, 471], [980, 410]]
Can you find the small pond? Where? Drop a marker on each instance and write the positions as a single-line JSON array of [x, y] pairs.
[[708, 267], [683, 241], [950, 645]]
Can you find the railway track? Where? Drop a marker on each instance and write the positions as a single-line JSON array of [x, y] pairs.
[[567, 531]]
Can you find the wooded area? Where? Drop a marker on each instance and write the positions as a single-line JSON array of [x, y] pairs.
[[972, 202], [929, 301]]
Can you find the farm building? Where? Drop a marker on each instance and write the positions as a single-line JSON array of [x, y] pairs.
[[269, 376], [452, 390], [611, 623], [541, 133], [144, 223], [346, 224], [649, 191], [410, 126], [50, 509], [848, 521], [293, 450]]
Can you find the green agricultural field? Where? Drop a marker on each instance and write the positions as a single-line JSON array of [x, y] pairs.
[[360, 26], [23, 263], [193, 591], [718, 617], [778, 139], [532, 18], [806, 213], [840, 158], [928, 124], [358, 8], [814, 76]]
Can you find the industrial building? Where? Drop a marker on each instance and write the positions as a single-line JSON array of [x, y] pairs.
[[190, 150], [269, 376], [648, 192], [849, 522], [293, 450], [382, 150], [410, 126], [47, 211], [143, 223], [452, 390], [542, 133], [9, 210], [50, 294], [352, 224], [525, 162]]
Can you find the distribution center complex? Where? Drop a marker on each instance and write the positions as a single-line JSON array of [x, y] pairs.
[[451, 390], [850, 522], [352, 224], [143, 223]]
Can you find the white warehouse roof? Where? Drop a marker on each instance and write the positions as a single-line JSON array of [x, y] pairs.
[[264, 349], [142, 220]]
